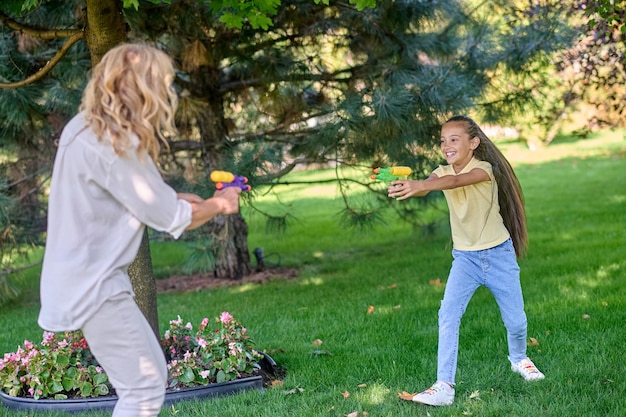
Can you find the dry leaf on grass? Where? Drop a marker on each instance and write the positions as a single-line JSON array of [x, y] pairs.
[[390, 287], [346, 395], [406, 396], [475, 395], [370, 309], [435, 282]]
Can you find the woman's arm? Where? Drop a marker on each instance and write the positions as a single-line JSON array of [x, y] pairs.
[[224, 201], [403, 189]]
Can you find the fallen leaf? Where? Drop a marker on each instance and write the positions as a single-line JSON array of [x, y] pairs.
[[277, 383], [389, 287], [533, 342], [346, 395], [370, 309], [586, 316], [475, 395], [361, 385], [406, 396], [605, 304], [353, 414], [316, 342], [435, 282], [396, 307]]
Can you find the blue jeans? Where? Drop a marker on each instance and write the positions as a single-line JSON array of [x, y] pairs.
[[497, 269]]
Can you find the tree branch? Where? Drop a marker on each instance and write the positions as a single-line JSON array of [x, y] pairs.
[[78, 35], [45, 34]]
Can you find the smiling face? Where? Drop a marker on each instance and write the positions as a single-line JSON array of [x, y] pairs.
[[456, 145]]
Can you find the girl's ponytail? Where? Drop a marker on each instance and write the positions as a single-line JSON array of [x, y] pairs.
[[510, 196]]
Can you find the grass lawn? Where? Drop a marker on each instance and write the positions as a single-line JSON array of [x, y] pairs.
[[372, 297]]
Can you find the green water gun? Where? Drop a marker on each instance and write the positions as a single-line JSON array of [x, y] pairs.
[[391, 173]]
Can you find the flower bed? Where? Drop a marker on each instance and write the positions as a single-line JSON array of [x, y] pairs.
[[62, 367]]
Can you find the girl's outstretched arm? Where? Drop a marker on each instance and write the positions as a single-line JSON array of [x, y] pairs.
[[403, 189]]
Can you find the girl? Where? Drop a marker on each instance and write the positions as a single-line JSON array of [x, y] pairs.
[[105, 188], [488, 226]]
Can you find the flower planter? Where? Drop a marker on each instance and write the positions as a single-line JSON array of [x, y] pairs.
[[108, 402]]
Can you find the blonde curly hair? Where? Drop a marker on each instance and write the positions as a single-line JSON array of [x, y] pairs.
[[130, 94]]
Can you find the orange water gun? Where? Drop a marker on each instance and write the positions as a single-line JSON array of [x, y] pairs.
[[224, 179]]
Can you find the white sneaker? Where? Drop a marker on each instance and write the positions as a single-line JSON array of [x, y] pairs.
[[527, 369], [439, 394]]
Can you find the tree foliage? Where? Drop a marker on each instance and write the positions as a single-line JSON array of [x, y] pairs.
[[328, 82]]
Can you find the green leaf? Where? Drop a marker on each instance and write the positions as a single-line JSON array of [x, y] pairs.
[[363, 4], [101, 389], [86, 389], [63, 359], [56, 387], [100, 378], [187, 375], [260, 21], [221, 376], [69, 383], [131, 3], [232, 21]]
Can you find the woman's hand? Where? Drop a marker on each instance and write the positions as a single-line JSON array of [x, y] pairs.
[[228, 199]]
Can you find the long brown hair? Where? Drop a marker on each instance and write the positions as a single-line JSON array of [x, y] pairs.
[[510, 196], [130, 93]]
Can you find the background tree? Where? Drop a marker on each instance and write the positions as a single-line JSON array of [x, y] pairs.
[[326, 83], [578, 88], [45, 52]]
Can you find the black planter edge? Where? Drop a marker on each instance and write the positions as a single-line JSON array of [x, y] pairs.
[[107, 403]]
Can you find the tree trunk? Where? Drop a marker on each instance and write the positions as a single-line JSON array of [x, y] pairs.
[[230, 246], [105, 29], [142, 279], [229, 233]]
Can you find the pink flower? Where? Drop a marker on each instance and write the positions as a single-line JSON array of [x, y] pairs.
[[188, 326], [225, 317], [201, 342], [48, 337], [63, 343], [28, 345], [205, 322], [205, 374]]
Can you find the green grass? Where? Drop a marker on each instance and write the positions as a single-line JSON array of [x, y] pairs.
[[573, 281]]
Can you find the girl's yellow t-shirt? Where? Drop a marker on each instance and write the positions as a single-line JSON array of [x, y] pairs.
[[475, 218]]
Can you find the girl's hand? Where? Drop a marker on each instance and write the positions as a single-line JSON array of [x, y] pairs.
[[403, 189]]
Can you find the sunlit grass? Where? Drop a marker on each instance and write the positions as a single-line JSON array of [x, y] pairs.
[[372, 299]]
